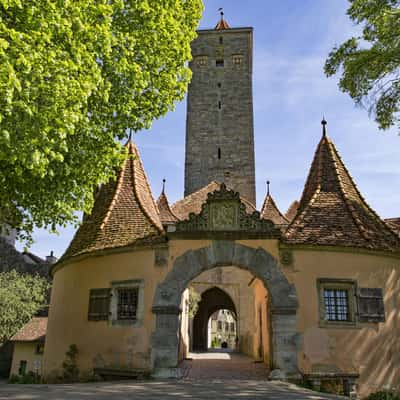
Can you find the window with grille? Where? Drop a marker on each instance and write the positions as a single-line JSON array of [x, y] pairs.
[[127, 303], [336, 304], [337, 301]]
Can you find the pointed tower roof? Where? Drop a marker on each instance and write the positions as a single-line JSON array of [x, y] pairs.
[[222, 24], [332, 211], [166, 215], [270, 210], [124, 213], [292, 210]]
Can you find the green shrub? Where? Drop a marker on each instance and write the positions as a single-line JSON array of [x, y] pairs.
[[70, 368]]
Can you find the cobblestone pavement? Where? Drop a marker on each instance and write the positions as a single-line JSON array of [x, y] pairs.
[[206, 376], [156, 390], [222, 365]]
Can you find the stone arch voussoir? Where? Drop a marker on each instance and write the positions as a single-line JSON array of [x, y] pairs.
[[225, 253]]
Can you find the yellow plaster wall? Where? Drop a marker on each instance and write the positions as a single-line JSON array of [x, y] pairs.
[[373, 350], [98, 342], [263, 332], [26, 351]]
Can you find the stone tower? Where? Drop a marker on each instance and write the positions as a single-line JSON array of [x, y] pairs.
[[219, 126]]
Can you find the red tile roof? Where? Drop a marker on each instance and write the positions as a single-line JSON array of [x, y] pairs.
[[33, 331], [394, 223], [332, 210], [193, 202], [124, 213], [292, 210], [270, 211], [166, 214], [222, 24]]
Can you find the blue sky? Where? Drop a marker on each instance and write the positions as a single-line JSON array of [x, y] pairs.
[[291, 41]]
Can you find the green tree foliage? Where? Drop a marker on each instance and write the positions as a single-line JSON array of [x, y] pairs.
[[21, 297], [74, 76], [370, 63]]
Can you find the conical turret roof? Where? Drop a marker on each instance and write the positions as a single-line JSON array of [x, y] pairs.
[[292, 210], [332, 210], [222, 24], [166, 214], [270, 211], [124, 213]]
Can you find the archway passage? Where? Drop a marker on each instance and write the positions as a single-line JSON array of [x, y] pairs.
[[257, 261], [212, 300]]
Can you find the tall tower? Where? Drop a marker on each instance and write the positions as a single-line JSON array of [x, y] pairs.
[[219, 126]]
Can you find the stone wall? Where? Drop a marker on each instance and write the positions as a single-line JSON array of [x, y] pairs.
[[219, 130]]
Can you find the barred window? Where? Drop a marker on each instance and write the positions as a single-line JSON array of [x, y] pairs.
[[337, 301], [336, 304], [127, 303]]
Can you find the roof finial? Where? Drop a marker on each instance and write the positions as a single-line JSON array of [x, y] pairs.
[[222, 24], [163, 185], [323, 123], [268, 182]]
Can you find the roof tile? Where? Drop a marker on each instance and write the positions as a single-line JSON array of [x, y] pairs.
[[124, 213], [332, 210], [34, 330], [193, 202]]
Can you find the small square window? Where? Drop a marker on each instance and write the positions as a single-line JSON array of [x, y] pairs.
[[237, 60], [127, 303], [201, 61], [219, 63], [337, 305]]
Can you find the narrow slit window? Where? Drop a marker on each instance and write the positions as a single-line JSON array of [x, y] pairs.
[[219, 153], [221, 40], [219, 105], [219, 84]]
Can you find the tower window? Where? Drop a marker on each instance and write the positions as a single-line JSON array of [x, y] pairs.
[[201, 61], [237, 60], [219, 84], [219, 153], [221, 40], [219, 63], [219, 105]]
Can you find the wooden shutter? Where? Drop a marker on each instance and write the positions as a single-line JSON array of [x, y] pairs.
[[370, 305], [99, 304]]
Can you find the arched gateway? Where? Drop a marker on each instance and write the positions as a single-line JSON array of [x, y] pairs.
[[188, 266]]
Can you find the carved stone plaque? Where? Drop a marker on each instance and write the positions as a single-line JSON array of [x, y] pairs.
[[224, 216]]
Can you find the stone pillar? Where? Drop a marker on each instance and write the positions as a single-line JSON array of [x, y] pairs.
[[165, 342], [284, 347]]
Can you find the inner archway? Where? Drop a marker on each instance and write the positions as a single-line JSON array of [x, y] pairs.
[[261, 264], [212, 300]]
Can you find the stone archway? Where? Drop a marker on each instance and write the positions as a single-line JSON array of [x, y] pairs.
[[192, 263], [212, 300]]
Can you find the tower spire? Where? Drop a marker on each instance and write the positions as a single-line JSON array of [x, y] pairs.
[[222, 24], [163, 185], [268, 182], [323, 123]]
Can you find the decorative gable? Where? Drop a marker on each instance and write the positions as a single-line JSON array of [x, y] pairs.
[[224, 213]]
